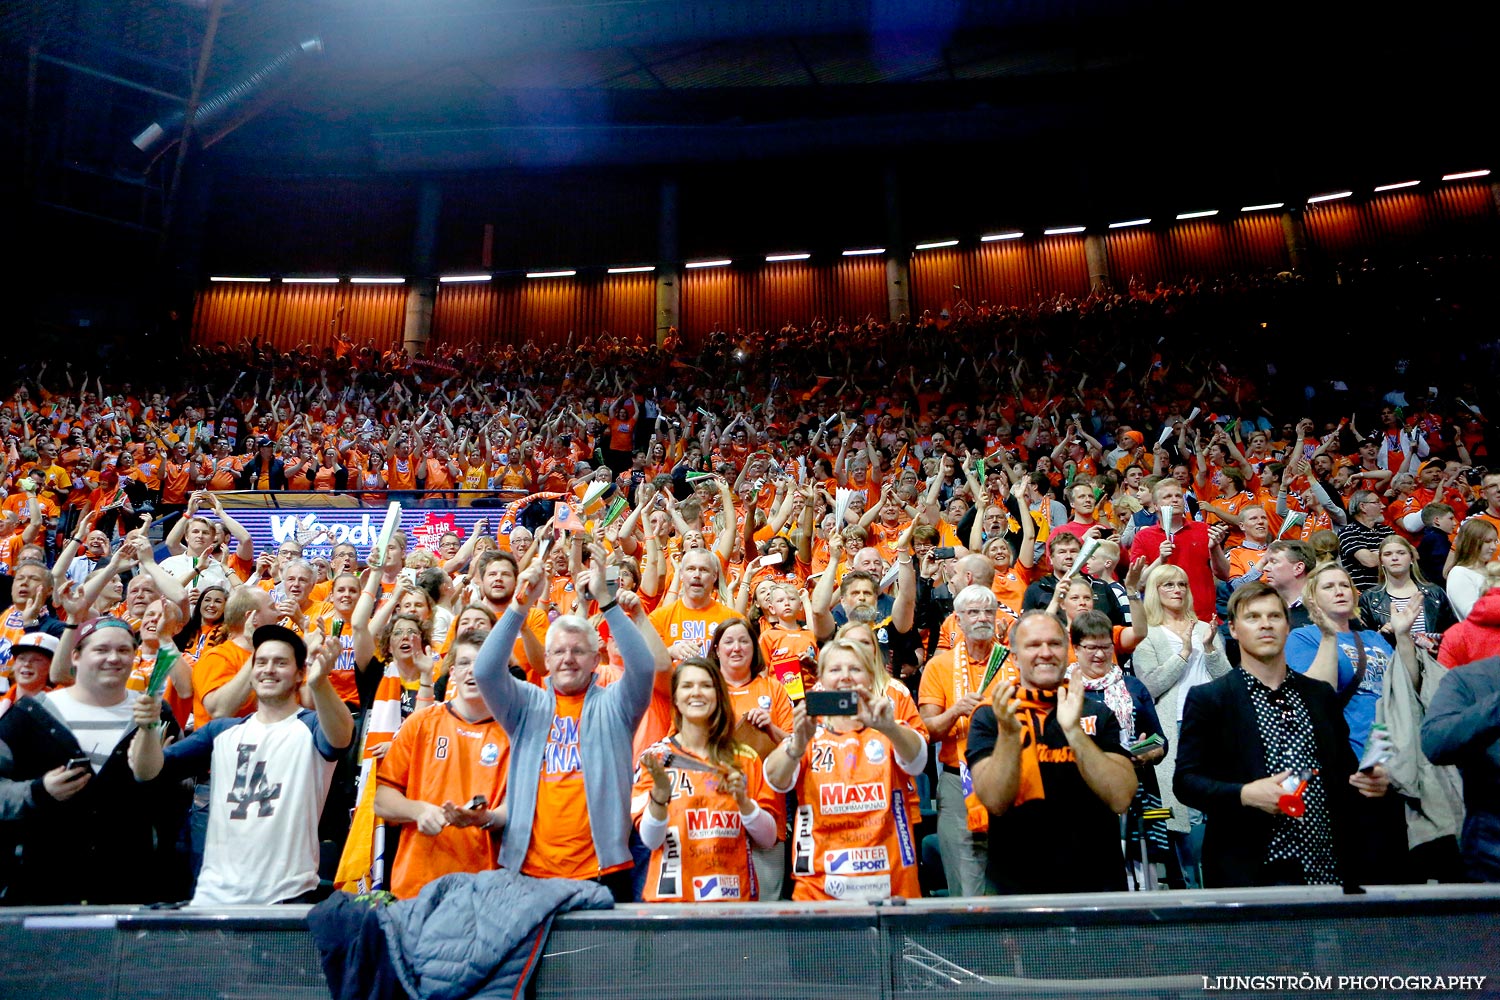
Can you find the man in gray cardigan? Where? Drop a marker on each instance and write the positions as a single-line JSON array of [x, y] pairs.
[[571, 766]]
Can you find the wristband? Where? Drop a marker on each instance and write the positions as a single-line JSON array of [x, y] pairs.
[[604, 608], [653, 798], [70, 625]]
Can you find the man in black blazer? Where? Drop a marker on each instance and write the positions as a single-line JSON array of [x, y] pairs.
[[1244, 736]]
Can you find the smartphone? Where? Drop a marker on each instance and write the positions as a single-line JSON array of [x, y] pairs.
[[338, 629], [773, 559], [477, 802], [943, 552], [832, 703], [77, 763]]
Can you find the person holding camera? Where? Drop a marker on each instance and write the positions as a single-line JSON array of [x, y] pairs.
[[443, 781], [848, 759]]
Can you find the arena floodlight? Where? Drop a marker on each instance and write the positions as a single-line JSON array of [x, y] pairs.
[[454, 279], [1129, 222], [636, 269], [1063, 230], [1466, 175], [1197, 215], [309, 281], [550, 274], [236, 277], [772, 258], [863, 252], [1330, 196], [1393, 187], [937, 244], [1013, 234], [1263, 208], [717, 262], [377, 281]]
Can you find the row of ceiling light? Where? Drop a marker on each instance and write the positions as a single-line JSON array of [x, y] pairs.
[[1013, 234]]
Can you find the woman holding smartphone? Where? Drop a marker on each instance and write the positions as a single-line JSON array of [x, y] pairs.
[[852, 838]]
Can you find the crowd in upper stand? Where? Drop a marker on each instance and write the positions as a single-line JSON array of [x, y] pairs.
[[1213, 557]]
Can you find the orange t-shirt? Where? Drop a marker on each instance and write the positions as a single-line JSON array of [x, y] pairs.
[[401, 474], [706, 856], [174, 482], [852, 838], [676, 621], [215, 668], [437, 757], [226, 473], [345, 674], [562, 841], [943, 685], [778, 644], [765, 691]]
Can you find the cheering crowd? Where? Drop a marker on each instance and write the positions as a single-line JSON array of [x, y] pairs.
[[842, 611]]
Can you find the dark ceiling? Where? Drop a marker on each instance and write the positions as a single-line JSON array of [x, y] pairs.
[[780, 118], [462, 84]]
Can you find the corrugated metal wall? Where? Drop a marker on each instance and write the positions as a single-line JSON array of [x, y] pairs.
[[1198, 247], [1449, 218], [545, 309], [289, 315], [771, 295], [1453, 217], [1012, 272]]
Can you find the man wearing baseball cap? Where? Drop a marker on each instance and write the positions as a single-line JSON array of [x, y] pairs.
[[269, 773], [30, 663]]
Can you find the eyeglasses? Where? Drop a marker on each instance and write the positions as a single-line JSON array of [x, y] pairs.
[[1093, 650]]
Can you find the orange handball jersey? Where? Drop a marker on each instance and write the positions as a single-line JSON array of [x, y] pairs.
[[852, 838], [706, 856], [437, 757]]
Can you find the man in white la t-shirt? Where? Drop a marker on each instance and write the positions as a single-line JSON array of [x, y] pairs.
[[269, 774]]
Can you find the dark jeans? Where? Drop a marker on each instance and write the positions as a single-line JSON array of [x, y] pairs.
[[621, 884]]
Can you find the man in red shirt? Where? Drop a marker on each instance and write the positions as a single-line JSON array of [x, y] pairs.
[[1193, 545]]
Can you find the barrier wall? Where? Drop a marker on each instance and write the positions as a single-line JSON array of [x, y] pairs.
[[1125, 945]]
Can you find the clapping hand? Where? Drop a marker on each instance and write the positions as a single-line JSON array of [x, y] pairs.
[[1070, 703]]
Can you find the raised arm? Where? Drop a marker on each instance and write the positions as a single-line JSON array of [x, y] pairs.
[[334, 717], [246, 548]]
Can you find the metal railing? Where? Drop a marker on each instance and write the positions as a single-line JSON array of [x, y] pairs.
[[1162, 944]]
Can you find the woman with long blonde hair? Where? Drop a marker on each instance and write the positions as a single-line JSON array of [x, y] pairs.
[[1178, 653], [1402, 582]]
